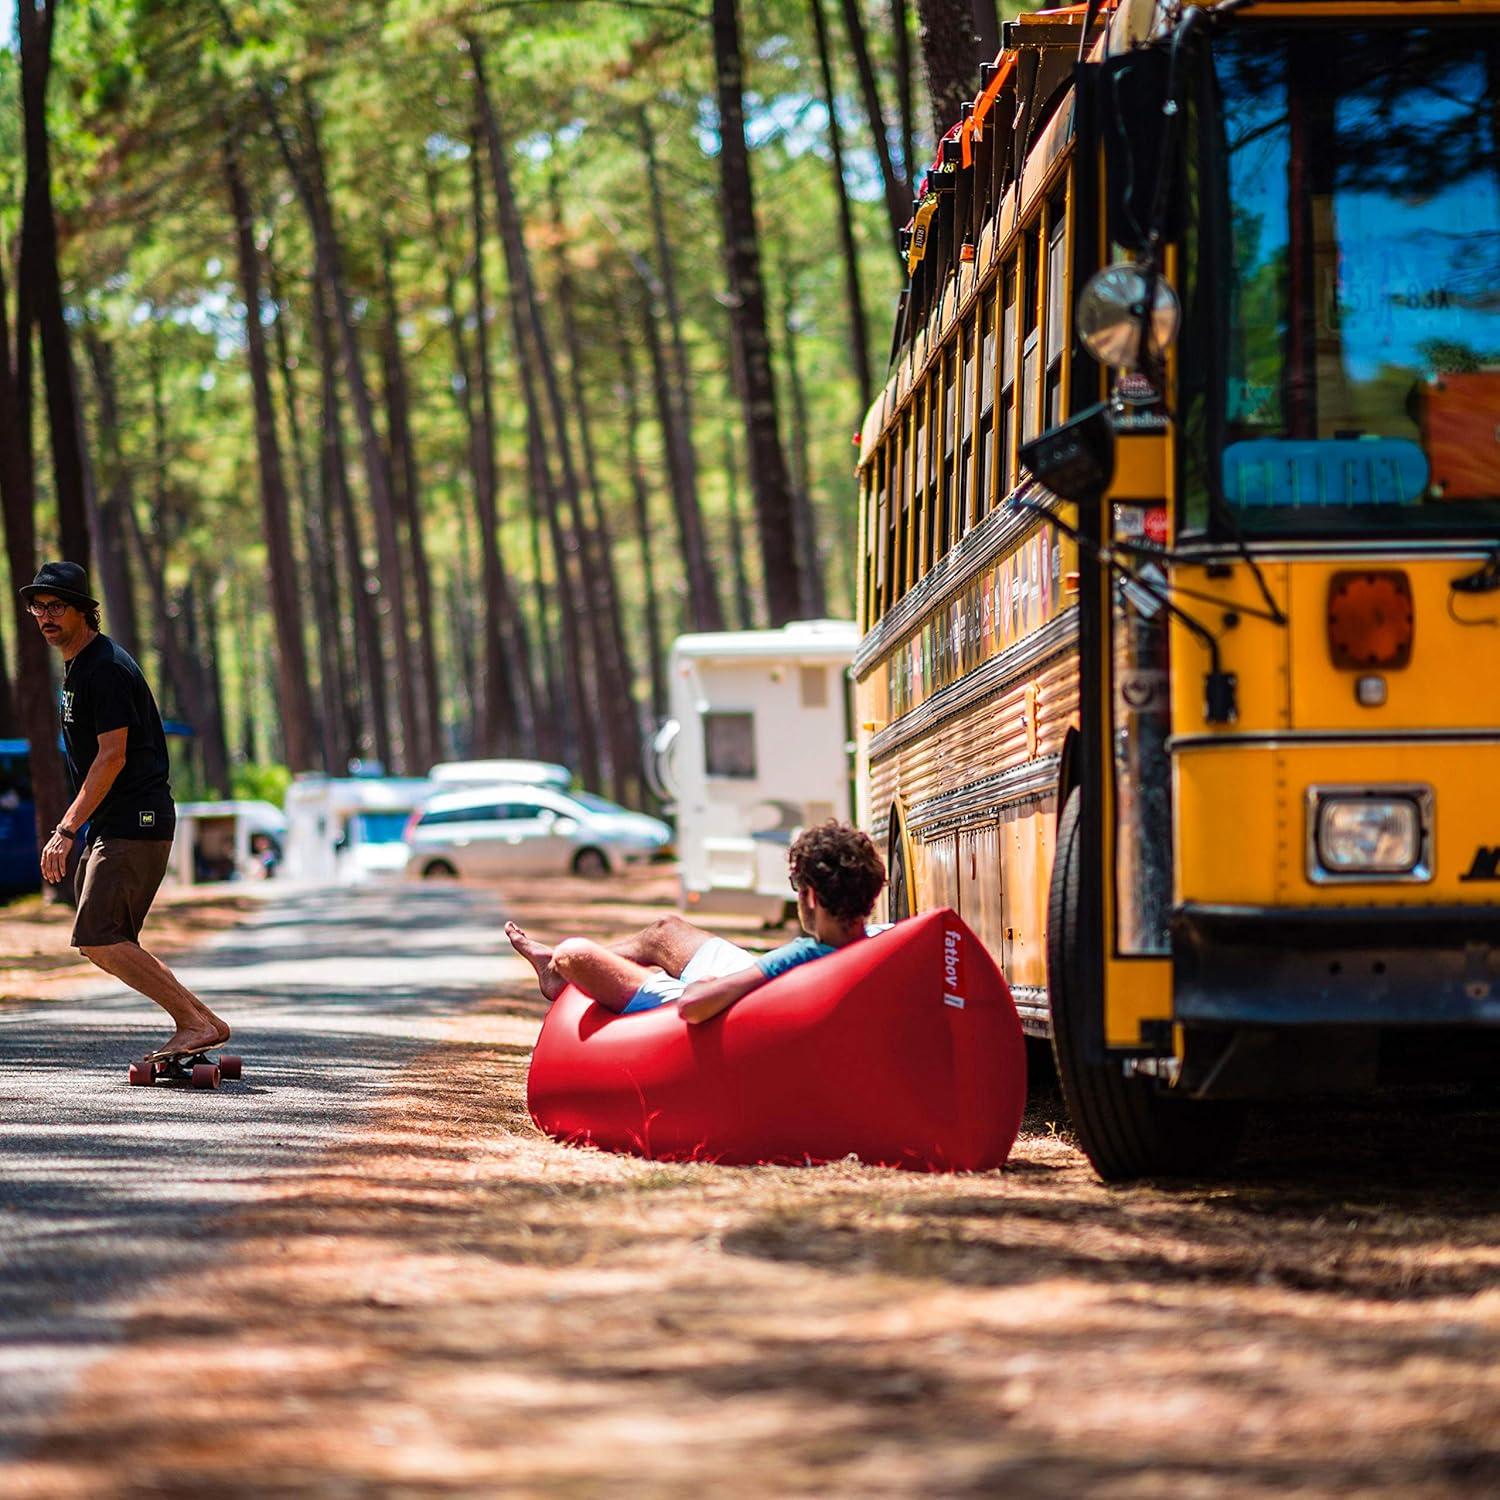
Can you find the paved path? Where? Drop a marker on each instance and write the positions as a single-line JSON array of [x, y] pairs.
[[105, 1187]]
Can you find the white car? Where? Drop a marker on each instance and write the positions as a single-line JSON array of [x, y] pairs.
[[489, 832]]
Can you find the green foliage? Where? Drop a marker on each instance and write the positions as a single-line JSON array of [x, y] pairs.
[[143, 94], [263, 782]]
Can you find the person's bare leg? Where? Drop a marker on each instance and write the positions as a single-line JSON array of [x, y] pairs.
[[197, 1025], [604, 976], [539, 956], [668, 943]]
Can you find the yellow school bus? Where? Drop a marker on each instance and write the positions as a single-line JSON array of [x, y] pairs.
[[1180, 555]]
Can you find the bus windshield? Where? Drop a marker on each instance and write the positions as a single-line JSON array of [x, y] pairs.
[[1358, 184]]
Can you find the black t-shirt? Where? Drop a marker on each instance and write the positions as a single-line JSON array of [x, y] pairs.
[[103, 689]]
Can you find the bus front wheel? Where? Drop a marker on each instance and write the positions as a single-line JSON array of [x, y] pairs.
[[1127, 1126]]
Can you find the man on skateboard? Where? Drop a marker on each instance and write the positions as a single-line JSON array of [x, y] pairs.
[[117, 763]]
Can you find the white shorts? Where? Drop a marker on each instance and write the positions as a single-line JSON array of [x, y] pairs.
[[716, 958]]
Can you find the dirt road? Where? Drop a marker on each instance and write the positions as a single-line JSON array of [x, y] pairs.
[[416, 1294]]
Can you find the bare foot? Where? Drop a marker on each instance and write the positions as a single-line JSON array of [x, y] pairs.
[[539, 956], [192, 1039], [219, 1028]]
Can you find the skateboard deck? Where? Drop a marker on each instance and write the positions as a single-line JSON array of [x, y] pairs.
[[193, 1067]]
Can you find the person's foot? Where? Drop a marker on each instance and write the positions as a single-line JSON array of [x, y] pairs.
[[539, 956], [192, 1039]]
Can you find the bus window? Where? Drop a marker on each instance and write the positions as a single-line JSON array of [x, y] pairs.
[[1031, 356], [901, 504], [922, 509], [987, 407], [968, 500], [1358, 378], [950, 415], [1007, 420], [1057, 304], [883, 530]]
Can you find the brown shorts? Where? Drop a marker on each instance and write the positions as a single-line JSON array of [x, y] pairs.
[[116, 882]]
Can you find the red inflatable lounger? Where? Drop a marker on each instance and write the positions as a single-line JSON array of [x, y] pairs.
[[903, 1050]]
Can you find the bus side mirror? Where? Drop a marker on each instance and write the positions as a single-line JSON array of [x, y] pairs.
[[1132, 95], [1076, 459]]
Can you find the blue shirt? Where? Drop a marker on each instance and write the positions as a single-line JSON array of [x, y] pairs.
[[792, 955], [803, 950]]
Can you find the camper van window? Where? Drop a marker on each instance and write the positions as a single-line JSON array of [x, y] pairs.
[[729, 745], [381, 827]]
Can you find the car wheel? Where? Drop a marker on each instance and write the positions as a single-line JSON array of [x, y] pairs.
[[590, 862], [439, 869]]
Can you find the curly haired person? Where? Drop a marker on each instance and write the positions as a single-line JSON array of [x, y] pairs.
[[836, 874]]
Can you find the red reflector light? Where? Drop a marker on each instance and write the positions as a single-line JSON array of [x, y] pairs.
[[1370, 619]]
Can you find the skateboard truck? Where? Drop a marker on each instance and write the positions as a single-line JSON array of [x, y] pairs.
[[197, 1069]]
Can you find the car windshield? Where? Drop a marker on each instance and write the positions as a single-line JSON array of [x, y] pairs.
[[1358, 182], [381, 827]]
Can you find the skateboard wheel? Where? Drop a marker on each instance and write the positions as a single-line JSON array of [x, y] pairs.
[[142, 1072], [230, 1066], [205, 1076]]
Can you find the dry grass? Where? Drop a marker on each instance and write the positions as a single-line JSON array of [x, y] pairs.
[[453, 1304]]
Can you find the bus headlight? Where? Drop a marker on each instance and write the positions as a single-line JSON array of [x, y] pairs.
[[1370, 834]]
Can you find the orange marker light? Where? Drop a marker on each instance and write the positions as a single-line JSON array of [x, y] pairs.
[[1370, 619]]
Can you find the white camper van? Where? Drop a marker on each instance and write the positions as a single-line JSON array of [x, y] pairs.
[[345, 829], [225, 841], [757, 748]]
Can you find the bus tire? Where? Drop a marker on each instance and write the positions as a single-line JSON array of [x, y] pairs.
[[899, 901], [1125, 1125]]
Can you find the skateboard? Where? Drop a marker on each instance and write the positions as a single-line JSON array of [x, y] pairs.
[[195, 1068]]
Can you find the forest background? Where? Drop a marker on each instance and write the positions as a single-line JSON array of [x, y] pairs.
[[414, 372]]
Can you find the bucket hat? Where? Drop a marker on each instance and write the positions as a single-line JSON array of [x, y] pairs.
[[65, 579]]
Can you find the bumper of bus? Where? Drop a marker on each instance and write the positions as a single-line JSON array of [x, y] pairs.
[[1339, 966]]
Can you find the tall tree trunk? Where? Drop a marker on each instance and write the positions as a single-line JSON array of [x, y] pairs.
[[216, 755], [675, 402], [35, 709], [704, 610], [950, 58], [858, 338], [334, 691], [813, 604], [901, 29], [534, 348], [8, 726], [509, 712], [184, 688], [293, 683], [339, 505], [112, 538], [409, 499], [655, 646], [313, 184], [986, 29], [769, 481], [744, 605], [40, 290], [580, 708], [897, 193], [615, 669]]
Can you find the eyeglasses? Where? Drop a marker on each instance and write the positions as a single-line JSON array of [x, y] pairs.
[[53, 609]]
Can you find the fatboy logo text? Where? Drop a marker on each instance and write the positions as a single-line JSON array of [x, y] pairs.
[[952, 974], [67, 706]]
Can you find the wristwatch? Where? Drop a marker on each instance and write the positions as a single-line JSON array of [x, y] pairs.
[[68, 833]]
